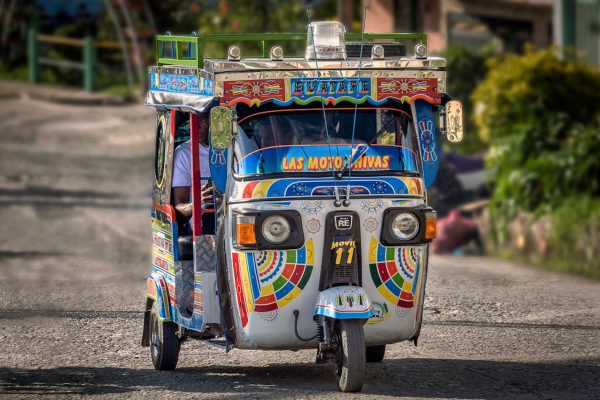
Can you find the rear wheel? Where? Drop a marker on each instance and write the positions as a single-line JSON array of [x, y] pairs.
[[375, 353], [164, 342], [350, 358]]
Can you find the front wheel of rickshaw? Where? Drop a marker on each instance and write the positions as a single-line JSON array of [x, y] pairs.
[[164, 342], [350, 358]]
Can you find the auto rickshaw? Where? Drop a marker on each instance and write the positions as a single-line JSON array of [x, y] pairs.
[[318, 235]]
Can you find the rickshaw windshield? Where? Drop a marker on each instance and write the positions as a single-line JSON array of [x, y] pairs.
[[275, 140]]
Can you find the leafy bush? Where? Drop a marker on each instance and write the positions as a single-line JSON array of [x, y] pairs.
[[541, 116], [538, 113], [543, 162], [574, 240], [536, 84]]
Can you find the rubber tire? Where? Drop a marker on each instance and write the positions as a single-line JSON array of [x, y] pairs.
[[164, 342], [375, 353], [350, 371]]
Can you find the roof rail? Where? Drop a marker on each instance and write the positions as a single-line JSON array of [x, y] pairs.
[[196, 59]]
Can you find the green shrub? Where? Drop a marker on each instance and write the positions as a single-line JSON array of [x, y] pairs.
[[536, 84], [541, 117], [543, 162], [574, 240]]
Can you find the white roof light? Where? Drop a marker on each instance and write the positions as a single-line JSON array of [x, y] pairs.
[[377, 52], [234, 53], [420, 51], [326, 40], [276, 53]]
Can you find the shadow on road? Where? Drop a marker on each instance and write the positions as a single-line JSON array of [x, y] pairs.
[[513, 325], [403, 378]]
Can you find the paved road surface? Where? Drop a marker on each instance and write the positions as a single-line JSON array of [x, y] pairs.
[[74, 254]]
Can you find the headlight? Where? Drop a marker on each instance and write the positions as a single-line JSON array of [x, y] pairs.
[[276, 229], [405, 226]]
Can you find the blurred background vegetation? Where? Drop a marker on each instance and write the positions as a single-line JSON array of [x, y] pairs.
[[539, 115], [531, 109]]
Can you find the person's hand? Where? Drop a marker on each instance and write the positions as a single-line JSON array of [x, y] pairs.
[[206, 193]]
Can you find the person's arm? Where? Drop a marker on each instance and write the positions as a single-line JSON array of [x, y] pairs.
[[181, 199]]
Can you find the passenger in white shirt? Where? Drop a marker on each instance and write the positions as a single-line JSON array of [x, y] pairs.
[[182, 172]]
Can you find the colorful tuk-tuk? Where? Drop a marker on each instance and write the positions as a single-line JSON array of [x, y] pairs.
[[317, 237]]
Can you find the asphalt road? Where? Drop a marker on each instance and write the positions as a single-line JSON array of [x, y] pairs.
[[74, 255]]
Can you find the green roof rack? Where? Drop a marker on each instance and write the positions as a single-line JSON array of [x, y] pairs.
[[197, 43]]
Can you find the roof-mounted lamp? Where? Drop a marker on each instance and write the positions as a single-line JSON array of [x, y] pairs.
[[420, 51], [234, 53], [276, 53], [326, 41], [377, 52]]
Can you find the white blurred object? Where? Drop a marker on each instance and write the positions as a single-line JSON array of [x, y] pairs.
[[326, 41]]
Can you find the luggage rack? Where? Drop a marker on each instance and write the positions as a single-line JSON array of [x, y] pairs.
[[188, 50]]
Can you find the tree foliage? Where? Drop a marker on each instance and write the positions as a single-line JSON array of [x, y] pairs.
[[541, 116], [544, 162], [535, 84]]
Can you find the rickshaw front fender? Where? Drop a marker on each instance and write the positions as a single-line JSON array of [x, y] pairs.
[[344, 302], [157, 291]]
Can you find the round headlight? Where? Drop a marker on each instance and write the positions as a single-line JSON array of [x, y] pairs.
[[276, 229], [405, 226]]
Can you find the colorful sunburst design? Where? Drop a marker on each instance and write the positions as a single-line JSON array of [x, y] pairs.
[[312, 206], [371, 205], [395, 272], [268, 280]]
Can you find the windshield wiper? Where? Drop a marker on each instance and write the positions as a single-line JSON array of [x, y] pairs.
[[361, 149]]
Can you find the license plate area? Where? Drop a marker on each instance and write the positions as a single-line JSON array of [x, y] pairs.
[[343, 251], [342, 263], [342, 258]]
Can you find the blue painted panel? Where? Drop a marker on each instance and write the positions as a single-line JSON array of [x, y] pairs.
[[427, 141], [391, 285], [284, 291], [218, 167], [253, 277], [301, 256], [188, 84]]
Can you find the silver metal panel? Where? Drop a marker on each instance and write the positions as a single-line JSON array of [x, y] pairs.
[[184, 285], [180, 70], [178, 101], [220, 66], [211, 312], [338, 73], [204, 253]]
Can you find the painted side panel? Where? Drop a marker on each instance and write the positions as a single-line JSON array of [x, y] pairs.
[[186, 84], [157, 291], [299, 187], [427, 140], [283, 92]]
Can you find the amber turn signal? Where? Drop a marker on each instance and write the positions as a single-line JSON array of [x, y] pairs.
[[430, 225], [245, 232]]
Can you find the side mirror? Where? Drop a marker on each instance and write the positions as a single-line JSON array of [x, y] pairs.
[[451, 121], [220, 127]]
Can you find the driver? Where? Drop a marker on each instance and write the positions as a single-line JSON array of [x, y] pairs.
[[182, 171]]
